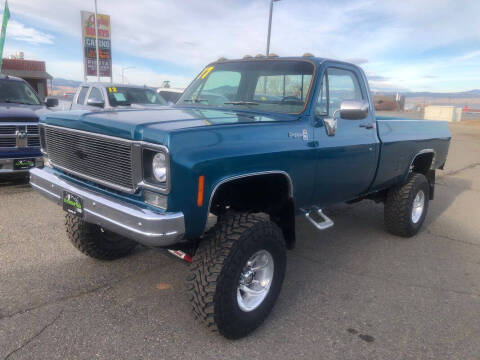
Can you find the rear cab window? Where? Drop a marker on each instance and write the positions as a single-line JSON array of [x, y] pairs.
[[95, 95]]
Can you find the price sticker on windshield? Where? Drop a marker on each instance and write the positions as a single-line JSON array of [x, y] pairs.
[[205, 72], [112, 89]]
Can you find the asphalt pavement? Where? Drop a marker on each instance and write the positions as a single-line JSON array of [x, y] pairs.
[[351, 292]]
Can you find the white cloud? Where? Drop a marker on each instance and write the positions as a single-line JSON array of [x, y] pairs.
[[143, 76], [191, 33], [468, 56], [20, 32]]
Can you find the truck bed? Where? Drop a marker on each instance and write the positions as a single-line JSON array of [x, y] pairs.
[[401, 141]]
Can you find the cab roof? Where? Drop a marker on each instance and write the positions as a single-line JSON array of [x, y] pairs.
[[307, 57]]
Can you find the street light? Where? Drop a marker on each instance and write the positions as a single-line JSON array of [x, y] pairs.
[[270, 25], [123, 71]]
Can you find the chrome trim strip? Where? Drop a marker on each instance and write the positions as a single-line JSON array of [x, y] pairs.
[[19, 123], [113, 138], [52, 194], [139, 224], [137, 168], [268, 172]]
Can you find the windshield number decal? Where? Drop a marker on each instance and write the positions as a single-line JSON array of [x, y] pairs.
[[205, 72], [112, 89]]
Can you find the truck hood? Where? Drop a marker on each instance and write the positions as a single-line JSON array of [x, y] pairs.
[[153, 124], [21, 113]]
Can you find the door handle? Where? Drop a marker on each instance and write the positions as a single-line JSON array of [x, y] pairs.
[[368, 126]]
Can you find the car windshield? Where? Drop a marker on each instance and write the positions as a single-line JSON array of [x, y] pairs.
[[133, 95], [17, 92], [267, 85]]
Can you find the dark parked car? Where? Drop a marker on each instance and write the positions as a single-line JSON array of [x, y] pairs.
[[20, 108]]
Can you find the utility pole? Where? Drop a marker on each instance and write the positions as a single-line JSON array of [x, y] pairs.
[[123, 71], [269, 25], [96, 42]]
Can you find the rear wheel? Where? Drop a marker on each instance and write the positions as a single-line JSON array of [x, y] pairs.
[[407, 206], [94, 241], [237, 274]]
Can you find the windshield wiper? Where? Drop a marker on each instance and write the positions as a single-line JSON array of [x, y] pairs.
[[17, 102], [241, 103], [196, 100]]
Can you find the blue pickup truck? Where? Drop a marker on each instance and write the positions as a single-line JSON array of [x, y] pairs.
[[20, 109], [221, 175]]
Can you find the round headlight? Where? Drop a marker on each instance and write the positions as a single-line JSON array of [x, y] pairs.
[[159, 167]]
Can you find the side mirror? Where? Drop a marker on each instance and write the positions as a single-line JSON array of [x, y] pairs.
[[97, 103], [51, 102], [354, 110]]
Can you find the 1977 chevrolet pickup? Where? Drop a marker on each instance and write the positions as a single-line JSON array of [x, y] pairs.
[[251, 143]]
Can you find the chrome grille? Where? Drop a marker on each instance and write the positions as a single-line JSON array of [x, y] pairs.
[[102, 159], [33, 141], [8, 142], [8, 129], [19, 135], [32, 129]]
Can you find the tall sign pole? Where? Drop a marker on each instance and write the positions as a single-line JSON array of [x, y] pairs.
[[6, 16], [96, 41]]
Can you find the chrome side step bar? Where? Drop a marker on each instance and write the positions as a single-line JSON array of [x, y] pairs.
[[325, 222]]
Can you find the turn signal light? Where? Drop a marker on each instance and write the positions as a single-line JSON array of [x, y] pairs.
[[201, 189]]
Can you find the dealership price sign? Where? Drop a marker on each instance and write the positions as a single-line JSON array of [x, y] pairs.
[[90, 46]]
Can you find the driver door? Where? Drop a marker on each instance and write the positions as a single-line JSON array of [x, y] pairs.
[[346, 161]]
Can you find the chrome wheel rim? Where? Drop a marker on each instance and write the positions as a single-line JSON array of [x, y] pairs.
[[255, 280], [418, 206]]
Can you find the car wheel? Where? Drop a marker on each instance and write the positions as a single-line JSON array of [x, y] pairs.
[[407, 205], [237, 274]]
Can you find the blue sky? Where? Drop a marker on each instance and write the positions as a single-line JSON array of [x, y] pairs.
[[416, 45]]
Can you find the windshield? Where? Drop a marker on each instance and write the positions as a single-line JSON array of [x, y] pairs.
[[132, 95], [17, 92], [266, 85]]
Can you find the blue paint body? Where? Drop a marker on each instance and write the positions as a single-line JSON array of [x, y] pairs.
[[222, 143]]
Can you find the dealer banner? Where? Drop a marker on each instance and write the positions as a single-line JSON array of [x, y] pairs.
[[89, 44]]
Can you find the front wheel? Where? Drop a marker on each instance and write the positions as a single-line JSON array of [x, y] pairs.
[[407, 206], [96, 242], [237, 274]]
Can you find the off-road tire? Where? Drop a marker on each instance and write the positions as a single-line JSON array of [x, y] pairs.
[[399, 204], [216, 269], [96, 242]]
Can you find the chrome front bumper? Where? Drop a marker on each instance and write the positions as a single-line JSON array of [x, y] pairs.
[[141, 225], [6, 165]]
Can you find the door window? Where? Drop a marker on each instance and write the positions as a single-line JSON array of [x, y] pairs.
[[95, 95], [81, 96], [337, 85], [342, 85], [322, 103]]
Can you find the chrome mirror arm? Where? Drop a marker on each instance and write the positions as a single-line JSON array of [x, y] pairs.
[[331, 124]]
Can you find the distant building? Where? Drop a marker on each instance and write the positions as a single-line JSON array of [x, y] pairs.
[[389, 102], [34, 72]]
